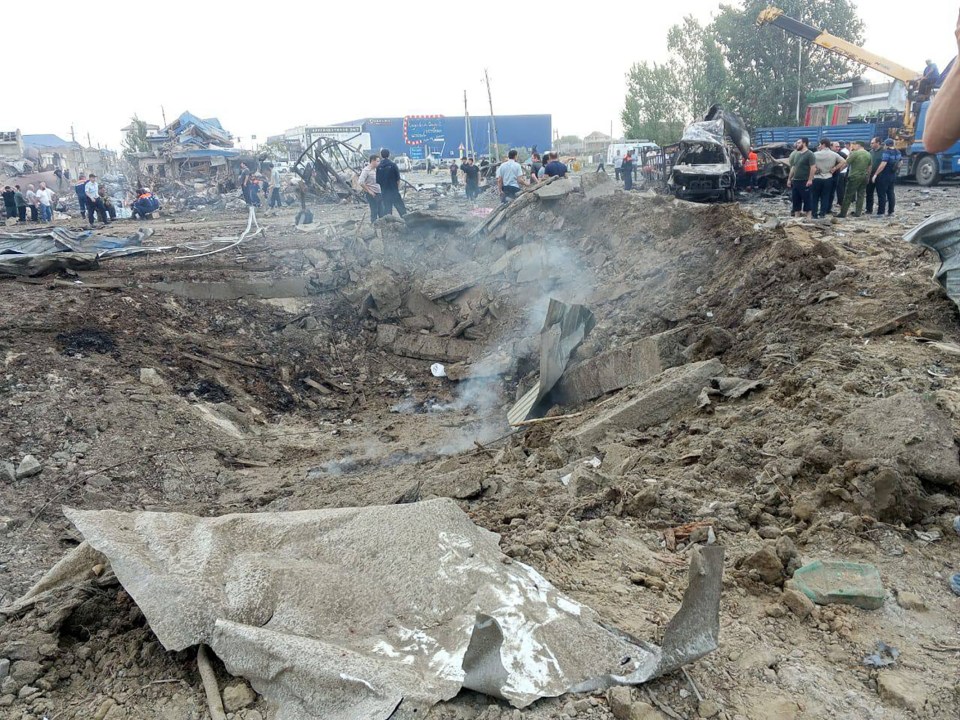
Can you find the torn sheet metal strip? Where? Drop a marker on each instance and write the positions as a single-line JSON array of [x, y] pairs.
[[564, 328], [941, 233], [347, 613]]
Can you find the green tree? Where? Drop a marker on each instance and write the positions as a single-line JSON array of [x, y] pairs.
[[702, 74], [135, 141], [654, 109], [768, 66]]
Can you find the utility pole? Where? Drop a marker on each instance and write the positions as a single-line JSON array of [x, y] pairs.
[[799, 73], [163, 114], [466, 124], [493, 120]]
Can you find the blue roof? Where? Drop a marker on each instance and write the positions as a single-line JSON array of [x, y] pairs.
[[45, 141], [211, 129]]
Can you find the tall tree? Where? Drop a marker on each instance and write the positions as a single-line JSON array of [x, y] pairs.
[[136, 138], [769, 67], [701, 71], [654, 108]]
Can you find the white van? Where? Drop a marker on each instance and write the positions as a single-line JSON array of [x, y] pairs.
[[640, 148]]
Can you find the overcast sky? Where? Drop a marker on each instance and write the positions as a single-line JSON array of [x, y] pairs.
[[293, 63]]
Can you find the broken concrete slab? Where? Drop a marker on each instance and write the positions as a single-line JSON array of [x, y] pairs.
[[596, 185], [650, 403], [907, 430], [837, 581], [28, 467], [618, 368], [555, 190], [423, 347]]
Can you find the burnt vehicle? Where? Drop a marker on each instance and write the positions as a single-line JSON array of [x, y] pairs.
[[772, 169], [703, 166]]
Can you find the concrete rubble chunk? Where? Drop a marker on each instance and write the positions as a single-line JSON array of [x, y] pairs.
[[908, 430], [149, 376], [898, 689], [28, 467], [837, 581], [798, 603], [652, 402], [620, 700], [423, 347], [619, 368], [237, 696]]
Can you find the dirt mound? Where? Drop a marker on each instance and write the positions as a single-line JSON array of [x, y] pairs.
[[735, 389]]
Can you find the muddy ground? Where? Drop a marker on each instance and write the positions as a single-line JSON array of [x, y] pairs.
[[293, 372]]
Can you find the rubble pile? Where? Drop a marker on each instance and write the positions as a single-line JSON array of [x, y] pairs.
[[597, 390]]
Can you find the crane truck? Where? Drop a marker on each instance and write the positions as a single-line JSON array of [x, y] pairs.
[[925, 167]]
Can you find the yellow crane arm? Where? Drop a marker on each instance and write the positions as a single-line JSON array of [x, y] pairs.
[[774, 16]]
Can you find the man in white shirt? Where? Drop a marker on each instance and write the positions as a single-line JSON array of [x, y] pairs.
[[510, 177], [372, 191], [45, 198], [275, 200], [94, 202]]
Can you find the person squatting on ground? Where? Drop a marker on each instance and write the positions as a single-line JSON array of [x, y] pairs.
[[803, 167], [510, 177], [859, 164], [145, 204], [94, 202], [388, 178], [885, 178], [368, 183]]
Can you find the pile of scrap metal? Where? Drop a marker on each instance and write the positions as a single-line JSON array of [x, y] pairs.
[[39, 252], [372, 612], [703, 168], [328, 167]]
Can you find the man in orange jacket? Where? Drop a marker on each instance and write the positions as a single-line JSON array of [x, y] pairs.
[[750, 167]]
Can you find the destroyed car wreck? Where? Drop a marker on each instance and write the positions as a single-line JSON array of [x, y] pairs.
[[703, 168]]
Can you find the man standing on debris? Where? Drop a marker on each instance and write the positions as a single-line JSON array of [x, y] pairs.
[[275, 200], [81, 192], [828, 165], [535, 165], [510, 177], [555, 168], [244, 183], [388, 178], [751, 165], [21, 204], [454, 180], [45, 198], [368, 183], [858, 166], [840, 179], [32, 202], [471, 174], [626, 170], [885, 178], [10, 201], [876, 156], [59, 173], [803, 167], [94, 202]]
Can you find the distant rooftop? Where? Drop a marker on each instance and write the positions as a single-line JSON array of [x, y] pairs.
[[46, 141]]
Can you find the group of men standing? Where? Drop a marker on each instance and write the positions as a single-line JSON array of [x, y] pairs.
[[851, 176], [40, 203], [380, 182]]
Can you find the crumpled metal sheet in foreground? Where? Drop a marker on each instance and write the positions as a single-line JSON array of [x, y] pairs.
[[364, 612], [941, 233]]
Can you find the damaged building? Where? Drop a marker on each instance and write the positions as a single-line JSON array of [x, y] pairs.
[[189, 148]]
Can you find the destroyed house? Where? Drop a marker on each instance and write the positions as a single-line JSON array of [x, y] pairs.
[[188, 147], [11, 145]]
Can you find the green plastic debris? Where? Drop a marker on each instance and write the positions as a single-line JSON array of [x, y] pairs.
[[837, 581]]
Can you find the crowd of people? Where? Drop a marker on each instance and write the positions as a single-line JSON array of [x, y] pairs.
[[837, 174]]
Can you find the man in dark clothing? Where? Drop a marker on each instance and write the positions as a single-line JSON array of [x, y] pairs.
[[626, 171], [803, 166], [885, 178], [453, 173], [80, 190], [472, 175], [876, 155], [59, 173], [555, 168], [10, 201], [388, 178], [21, 204]]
